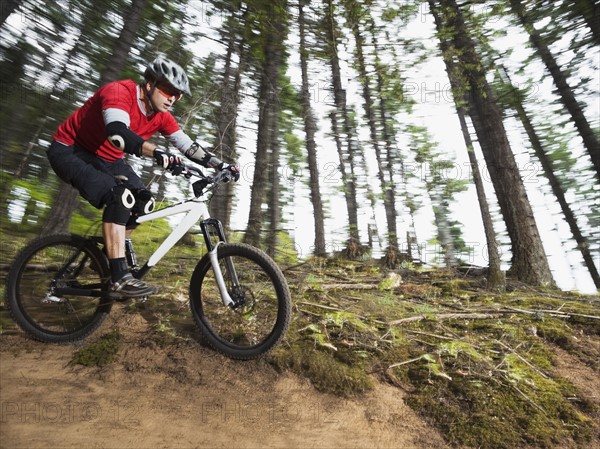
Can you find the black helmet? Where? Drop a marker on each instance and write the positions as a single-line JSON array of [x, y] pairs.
[[163, 69]]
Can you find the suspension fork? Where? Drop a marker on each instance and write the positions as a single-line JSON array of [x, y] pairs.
[[215, 225]]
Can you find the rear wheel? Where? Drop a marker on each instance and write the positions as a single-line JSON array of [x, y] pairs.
[[35, 280], [261, 315]]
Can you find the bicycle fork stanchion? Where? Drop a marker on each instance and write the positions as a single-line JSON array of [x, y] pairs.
[[205, 225], [214, 261]]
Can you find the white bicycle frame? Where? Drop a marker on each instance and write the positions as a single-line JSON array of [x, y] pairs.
[[195, 209]]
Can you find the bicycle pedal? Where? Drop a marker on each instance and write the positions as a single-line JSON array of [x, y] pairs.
[[115, 296]]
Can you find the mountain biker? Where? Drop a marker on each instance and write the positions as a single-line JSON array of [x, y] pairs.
[[88, 148]]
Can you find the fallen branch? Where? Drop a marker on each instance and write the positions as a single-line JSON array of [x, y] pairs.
[[406, 362], [554, 313], [320, 306], [445, 316], [442, 337], [335, 309], [528, 399], [345, 287]]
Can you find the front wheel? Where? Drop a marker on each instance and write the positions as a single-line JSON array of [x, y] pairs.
[[41, 272], [261, 313]]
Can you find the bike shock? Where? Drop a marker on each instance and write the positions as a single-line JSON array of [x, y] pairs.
[[130, 254]]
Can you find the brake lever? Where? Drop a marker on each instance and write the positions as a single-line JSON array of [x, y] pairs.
[[199, 187], [193, 171]]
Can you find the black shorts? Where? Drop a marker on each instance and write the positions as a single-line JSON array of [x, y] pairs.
[[92, 176]]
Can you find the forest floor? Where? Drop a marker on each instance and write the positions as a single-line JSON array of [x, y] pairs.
[[411, 359]]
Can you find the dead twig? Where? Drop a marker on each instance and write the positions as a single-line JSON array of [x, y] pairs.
[[528, 399], [523, 359], [406, 362], [345, 287], [320, 306], [445, 316], [555, 313]]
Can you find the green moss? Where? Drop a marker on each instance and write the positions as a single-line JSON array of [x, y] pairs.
[[453, 287], [491, 414], [100, 353], [326, 372], [474, 404], [459, 409], [556, 332]]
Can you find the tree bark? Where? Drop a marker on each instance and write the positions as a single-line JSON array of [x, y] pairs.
[[310, 129], [529, 261], [347, 168], [269, 90], [274, 184], [388, 197], [440, 213], [221, 204], [59, 219], [495, 277], [590, 12]]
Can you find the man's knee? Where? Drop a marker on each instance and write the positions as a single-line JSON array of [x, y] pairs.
[[144, 204], [119, 204]]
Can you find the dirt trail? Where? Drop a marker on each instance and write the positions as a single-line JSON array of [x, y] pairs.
[[183, 395]]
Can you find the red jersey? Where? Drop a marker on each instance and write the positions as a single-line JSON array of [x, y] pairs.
[[86, 128]]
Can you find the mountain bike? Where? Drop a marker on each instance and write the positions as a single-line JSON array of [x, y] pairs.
[[58, 285]]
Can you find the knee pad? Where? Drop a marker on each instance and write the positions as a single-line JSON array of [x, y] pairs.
[[144, 204], [119, 205]]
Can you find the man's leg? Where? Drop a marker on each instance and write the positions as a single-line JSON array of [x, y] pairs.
[[114, 240], [117, 212]]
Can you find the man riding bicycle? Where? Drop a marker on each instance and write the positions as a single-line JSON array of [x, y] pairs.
[[88, 148]]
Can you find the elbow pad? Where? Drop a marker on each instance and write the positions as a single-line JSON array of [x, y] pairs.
[[199, 155], [121, 137]]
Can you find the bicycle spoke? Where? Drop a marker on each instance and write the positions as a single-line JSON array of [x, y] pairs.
[[260, 313], [47, 269]]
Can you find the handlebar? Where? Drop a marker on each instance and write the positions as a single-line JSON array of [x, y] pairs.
[[221, 177]]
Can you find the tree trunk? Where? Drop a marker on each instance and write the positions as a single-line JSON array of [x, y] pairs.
[[389, 193], [495, 277], [347, 168], [120, 52], [590, 140], [274, 184], [221, 204], [529, 262], [388, 197], [310, 129], [559, 193], [440, 213], [392, 155], [269, 89]]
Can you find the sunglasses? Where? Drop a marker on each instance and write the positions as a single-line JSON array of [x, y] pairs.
[[169, 92]]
